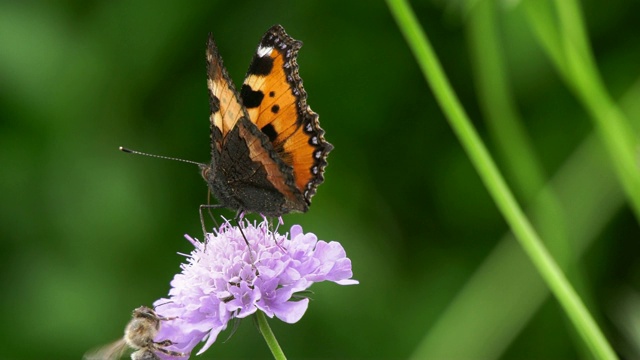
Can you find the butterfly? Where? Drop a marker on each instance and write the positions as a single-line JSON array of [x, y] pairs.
[[268, 152]]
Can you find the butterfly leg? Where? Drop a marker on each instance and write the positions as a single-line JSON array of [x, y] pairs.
[[204, 229], [238, 217], [208, 207], [274, 230]]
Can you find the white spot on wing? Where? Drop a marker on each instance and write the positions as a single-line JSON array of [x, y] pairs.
[[264, 51]]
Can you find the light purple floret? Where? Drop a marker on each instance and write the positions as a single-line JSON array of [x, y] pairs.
[[223, 281]]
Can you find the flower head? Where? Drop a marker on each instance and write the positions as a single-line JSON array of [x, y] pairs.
[[223, 280]]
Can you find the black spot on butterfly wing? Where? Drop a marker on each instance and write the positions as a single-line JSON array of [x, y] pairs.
[[275, 109], [270, 131], [214, 104], [251, 98], [261, 65]]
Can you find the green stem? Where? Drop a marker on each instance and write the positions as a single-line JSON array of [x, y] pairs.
[[546, 266], [497, 103], [271, 340], [507, 129], [569, 49], [614, 127], [591, 204]]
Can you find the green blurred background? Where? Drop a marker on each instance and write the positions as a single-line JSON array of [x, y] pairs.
[[89, 233]]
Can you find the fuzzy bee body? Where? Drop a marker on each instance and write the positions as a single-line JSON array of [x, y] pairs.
[[139, 335]]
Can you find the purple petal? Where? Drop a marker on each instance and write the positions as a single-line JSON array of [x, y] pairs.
[[290, 311], [295, 231], [213, 335], [224, 280]]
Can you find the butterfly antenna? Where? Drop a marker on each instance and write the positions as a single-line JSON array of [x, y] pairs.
[[124, 149]]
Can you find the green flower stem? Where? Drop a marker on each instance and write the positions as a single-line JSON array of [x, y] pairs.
[[614, 127], [590, 205], [496, 100], [591, 202], [546, 266], [507, 129], [569, 49], [271, 340], [522, 168]]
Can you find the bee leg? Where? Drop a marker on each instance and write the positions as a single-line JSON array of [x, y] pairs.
[[164, 343], [171, 353], [144, 354], [161, 345]]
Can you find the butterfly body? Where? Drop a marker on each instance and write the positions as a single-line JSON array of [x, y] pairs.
[[242, 184], [268, 151]]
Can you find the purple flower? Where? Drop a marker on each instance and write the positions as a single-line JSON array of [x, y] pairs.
[[222, 280]]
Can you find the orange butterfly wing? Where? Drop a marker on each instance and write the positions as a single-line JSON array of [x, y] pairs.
[[276, 102]]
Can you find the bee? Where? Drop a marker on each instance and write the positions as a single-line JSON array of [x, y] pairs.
[[138, 335]]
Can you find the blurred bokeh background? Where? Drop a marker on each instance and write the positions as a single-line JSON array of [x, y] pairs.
[[89, 233]]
